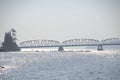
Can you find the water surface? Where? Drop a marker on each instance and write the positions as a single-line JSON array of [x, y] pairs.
[[102, 65]]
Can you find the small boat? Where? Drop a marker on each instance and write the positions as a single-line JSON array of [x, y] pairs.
[[2, 67]]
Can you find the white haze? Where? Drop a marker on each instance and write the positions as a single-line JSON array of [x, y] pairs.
[[60, 19]]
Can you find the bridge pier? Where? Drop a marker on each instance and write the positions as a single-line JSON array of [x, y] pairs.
[[60, 48], [100, 47]]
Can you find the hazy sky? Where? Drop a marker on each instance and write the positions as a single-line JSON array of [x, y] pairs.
[[60, 19]]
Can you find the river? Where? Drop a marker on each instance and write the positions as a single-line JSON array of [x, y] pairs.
[[94, 65]]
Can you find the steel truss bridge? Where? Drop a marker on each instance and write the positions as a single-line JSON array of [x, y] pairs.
[[69, 43]]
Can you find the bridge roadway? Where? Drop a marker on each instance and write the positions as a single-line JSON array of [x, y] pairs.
[[69, 43]]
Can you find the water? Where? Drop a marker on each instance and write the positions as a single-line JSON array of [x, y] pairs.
[[102, 65]]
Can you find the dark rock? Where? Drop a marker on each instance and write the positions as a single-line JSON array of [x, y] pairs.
[[9, 43]]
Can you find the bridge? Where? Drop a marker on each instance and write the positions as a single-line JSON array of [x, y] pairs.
[[69, 43], [10, 44]]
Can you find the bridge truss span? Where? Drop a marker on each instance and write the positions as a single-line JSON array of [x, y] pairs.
[[39, 43], [80, 42], [111, 41], [68, 43]]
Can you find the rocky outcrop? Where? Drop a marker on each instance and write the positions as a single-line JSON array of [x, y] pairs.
[[9, 43]]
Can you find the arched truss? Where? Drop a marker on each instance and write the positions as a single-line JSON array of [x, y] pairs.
[[111, 41], [40, 43], [80, 42], [71, 42]]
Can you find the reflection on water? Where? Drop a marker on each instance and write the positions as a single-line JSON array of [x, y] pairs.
[[104, 65]]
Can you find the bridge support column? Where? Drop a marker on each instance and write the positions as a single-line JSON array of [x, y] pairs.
[[60, 48], [100, 48]]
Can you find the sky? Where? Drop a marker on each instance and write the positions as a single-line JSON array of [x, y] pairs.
[[60, 19]]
